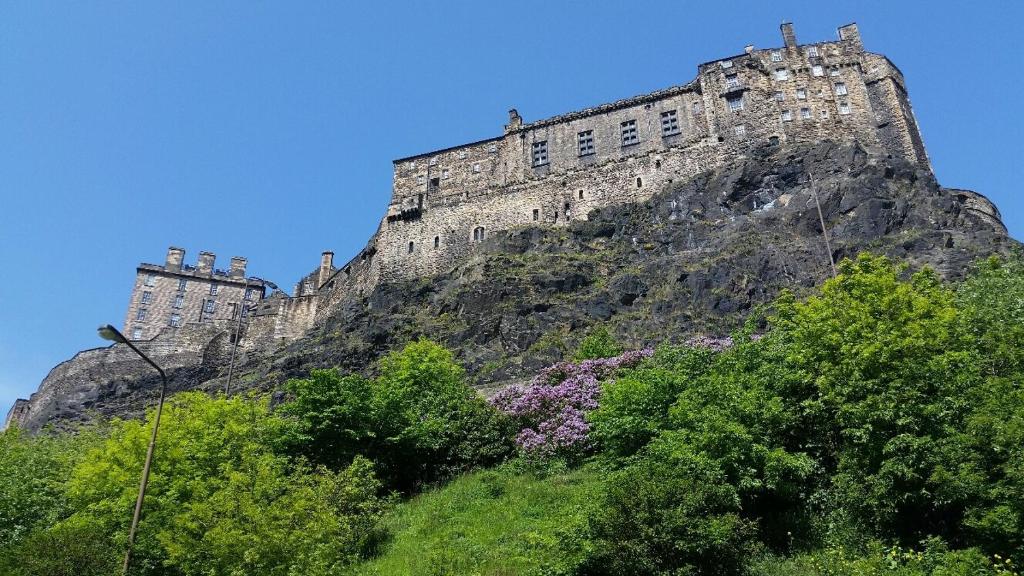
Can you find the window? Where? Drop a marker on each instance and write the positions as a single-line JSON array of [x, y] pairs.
[[493, 148], [476, 167], [437, 242], [179, 300], [478, 234], [817, 70], [735, 103], [444, 173], [150, 280], [629, 134], [421, 179], [787, 115], [824, 114], [731, 81], [697, 108], [801, 94], [536, 214], [669, 123], [726, 63], [740, 130], [812, 51], [136, 333], [175, 320], [844, 108], [248, 293], [210, 306], [182, 283], [412, 246], [433, 161], [781, 74], [581, 194], [639, 184], [779, 97], [140, 315], [805, 113], [840, 89], [147, 297], [834, 71], [585, 141], [776, 56], [540, 153], [213, 289]]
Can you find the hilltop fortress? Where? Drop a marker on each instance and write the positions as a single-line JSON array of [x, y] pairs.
[[546, 173]]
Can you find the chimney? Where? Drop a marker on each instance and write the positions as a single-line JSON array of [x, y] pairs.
[[174, 258], [515, 121], [788, 36], [326, 267], [237, 267], [748, 48], [850, 33], [205, 264]]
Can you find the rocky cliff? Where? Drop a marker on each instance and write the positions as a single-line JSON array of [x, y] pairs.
[[693, 260]]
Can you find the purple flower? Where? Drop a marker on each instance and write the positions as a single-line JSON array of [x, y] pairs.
[[551, 410]]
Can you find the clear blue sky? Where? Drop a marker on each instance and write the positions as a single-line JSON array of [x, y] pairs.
[[267, 129]]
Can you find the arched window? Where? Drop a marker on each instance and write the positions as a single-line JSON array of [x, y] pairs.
[[478, 234], [411, 247]]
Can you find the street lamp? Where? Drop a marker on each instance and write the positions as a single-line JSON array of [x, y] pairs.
[[108, 332], [238, 329]]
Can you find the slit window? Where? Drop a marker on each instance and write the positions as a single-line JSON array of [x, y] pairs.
[[412, 247], [629, 133], [540, 153], [585, 141], [437, 242], [581, 194], [639, 182], [669, 123], [536, 214]]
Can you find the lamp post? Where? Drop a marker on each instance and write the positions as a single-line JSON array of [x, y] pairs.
[[238, 331], [108, 332]]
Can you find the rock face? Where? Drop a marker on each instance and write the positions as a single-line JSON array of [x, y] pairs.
[[693, 260]]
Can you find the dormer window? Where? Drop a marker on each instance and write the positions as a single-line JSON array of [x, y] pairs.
[[726, 63], [776, 56]]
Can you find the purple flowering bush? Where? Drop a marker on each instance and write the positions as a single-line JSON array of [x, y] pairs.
[[551, 410]]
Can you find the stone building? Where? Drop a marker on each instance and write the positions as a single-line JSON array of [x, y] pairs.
[[553, 171], [176, 293]]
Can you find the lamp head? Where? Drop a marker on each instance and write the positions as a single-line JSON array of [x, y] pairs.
[[108, 332]]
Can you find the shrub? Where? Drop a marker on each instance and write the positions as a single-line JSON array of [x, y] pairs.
[[599, 343]]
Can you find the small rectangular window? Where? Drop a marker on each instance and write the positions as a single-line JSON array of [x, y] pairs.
[[726, 63], [179, 300], [731, 81], [248, 293], [585, 142], [210, 306], [824, 114], [444, 173], [150, 280], [213, 289], [536, 214], [697, 108], [779, 97], [136, 333], [147, 297], [840, 89], [476, 167], [540, 153], [805, 113], [140, 315], [175, 320], [787, 115], [834, 71], [812, 51], [182, 283], [740, 130], [801, 94], [817, 70], [735, 102], [669, 123], [781, 74], [776, 56], [629, 133], [844, 108]]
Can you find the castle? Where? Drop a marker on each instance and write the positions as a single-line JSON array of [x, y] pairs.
[[544, 173]]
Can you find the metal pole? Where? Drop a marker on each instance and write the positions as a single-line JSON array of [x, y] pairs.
[[821, 218], [234, 344], [149, 451]]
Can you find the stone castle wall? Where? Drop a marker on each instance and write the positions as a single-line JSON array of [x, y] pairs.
[[444, 202]]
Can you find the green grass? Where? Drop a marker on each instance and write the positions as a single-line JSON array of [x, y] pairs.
[[496, 522]]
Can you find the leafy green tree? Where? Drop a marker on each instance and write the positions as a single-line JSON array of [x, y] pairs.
[[418, 420], [991, 302], [73, 547], [221, 500]]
